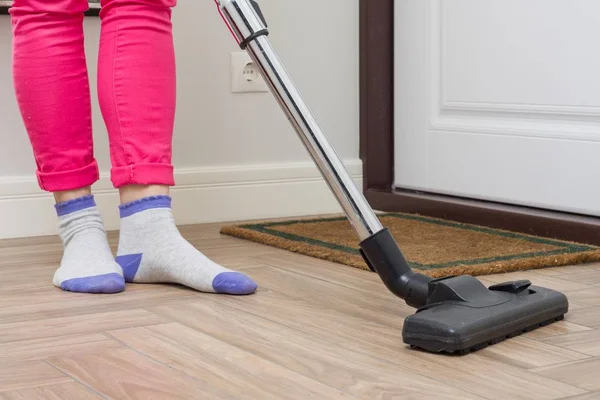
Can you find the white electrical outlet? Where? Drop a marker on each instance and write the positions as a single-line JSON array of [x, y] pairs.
[[245, 75]]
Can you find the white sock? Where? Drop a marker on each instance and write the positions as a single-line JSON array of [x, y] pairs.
[[88, 264], [152, 250]]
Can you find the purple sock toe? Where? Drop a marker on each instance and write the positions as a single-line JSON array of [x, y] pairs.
[[233, 283], [108, 283]]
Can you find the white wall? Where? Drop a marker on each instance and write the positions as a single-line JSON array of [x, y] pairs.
[[243, 152]]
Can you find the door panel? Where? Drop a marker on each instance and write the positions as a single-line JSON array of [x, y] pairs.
[[499, 100]]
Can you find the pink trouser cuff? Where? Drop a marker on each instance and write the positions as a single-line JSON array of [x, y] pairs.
[[70, 179], [143, 174]]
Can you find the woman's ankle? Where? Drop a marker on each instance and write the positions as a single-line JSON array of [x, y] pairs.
[[129, 193], [61, 197]]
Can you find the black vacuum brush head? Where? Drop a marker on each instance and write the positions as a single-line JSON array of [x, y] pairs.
[[462, 315], [459, 314]]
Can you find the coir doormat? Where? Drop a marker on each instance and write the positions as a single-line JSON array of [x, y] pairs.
[[432, 246]]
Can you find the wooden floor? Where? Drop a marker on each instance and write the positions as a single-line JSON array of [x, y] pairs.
[[313, 330]]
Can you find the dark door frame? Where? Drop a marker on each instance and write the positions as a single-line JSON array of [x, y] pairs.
[[377, 93], [377, 150]]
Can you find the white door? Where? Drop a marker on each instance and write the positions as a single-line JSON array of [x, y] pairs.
[[499, 100]]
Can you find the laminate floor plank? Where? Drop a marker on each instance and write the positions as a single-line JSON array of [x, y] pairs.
[[81, 324], [20, 375], [586, 342], [126, 374], [40, 349], [588, 316], [586, 297], [64, 391], [528, 353], [239, 373], [329, 295], [584, 374], [354, 278], [73, 305], [572, 269], [589, 277]]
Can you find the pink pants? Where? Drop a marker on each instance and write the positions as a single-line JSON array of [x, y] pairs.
[[136, 89]]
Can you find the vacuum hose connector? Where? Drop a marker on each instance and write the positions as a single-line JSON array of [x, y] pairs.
[[383, 256], [245, 20]]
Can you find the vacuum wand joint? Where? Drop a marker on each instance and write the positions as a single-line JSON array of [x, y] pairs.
[[382, 255], [245, 19]]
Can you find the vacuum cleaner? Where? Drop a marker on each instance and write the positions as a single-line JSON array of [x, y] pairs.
[[455, 314]]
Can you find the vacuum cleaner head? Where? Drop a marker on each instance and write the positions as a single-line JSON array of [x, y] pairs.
[[459, 314], [462, 315]]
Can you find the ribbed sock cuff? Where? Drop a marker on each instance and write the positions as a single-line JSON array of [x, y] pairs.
[[71, 206], [147, 203]]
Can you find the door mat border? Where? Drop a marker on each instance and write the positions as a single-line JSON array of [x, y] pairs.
[[568, 253]]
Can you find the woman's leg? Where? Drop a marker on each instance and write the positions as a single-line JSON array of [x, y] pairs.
[[52, 90], [137, 88]]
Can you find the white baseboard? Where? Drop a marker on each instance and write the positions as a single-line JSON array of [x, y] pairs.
[[202, 195]]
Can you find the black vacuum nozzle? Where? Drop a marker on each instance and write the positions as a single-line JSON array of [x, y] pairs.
[[462, 315], [459, 314]]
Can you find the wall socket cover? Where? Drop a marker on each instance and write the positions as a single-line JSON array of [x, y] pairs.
[[245, 75]]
